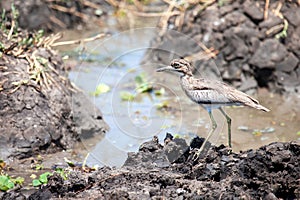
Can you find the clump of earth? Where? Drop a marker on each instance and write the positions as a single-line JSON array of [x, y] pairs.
[[53, 16], [41, 112], [253, 47], [173, 171]]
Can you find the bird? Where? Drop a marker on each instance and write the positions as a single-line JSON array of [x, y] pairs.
[[210, 94]]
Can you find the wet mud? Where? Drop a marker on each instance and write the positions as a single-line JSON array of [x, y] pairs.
[[39, 117], [270, 172], [53, 16], [41, 112]]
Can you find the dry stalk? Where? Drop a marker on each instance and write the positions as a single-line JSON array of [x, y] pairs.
[[202, 55], [70, 42], [13, 24], [275, 29], [72, 11], [285, 25], [90, 4], [114, 3], [167, 15], [57, 21], [266, 9]]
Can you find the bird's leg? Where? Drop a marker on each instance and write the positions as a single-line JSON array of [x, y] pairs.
[[228, 124], [214, 126]]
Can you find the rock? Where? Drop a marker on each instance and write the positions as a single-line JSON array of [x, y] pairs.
[[242, 36], [268, 54], [248, 83], [87, 117], [254, 12], [287, 79], [270, 22], [175, 149], [235, 46], [288, 64], [41, 194], [293, 42], [293, 16], [150, 154]]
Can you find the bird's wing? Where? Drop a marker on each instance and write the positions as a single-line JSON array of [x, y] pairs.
[[208, 91], [240, 97], [221, 92]]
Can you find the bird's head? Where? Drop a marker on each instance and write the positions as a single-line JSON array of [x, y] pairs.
[[178, 65]]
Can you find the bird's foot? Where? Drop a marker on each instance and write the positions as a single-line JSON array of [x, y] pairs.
[[197, 154]]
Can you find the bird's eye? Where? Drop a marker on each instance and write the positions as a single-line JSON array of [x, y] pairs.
[[176, 65]]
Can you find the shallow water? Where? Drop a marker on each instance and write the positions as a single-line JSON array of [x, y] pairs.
[[115, 61]]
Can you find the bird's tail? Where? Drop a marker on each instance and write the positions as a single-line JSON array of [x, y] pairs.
[[255, 104], [260, 107]]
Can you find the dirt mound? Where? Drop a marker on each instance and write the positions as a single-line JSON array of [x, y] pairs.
[[55, 15], [36, 98], [270, 172], [252, 46]]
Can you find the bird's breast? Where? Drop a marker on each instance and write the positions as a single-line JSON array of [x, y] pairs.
[[203, 96]]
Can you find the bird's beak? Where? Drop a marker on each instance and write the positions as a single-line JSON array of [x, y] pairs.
[[167, 68]]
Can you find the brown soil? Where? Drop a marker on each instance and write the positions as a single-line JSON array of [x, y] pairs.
[[58, 14], [37, 114], [251, 51], [270, 172]]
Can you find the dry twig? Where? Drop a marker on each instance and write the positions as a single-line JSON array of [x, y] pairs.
[[97, 37], [266, 9]]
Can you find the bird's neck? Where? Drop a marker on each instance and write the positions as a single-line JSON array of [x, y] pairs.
[[187, 75]]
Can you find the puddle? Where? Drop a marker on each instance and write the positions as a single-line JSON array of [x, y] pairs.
[[116, 63], [131, 122]]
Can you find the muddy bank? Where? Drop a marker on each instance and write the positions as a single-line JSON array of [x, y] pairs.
[[158, 172], [52, 16], [41, 112], [252, 46]]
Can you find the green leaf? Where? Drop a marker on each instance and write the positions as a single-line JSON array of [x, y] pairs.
[[39, 166], [298, 133], [62, 173], [6, 183], [126, 96], [33, 176], [141, 84], [69, 162], [161, 91], [164, 104], [140, 79], [19, 180], [100, 89], [146, 87], [44, 177], [36, 183]]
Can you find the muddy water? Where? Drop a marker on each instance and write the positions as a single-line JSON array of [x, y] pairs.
[[115, 62]]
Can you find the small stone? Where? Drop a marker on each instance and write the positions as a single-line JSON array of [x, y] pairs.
[[248, 83], [236, 47], [287, 79], [270, 22], [293, 16], [288, 64], [271, 196], [254, 12], [270, 52]]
